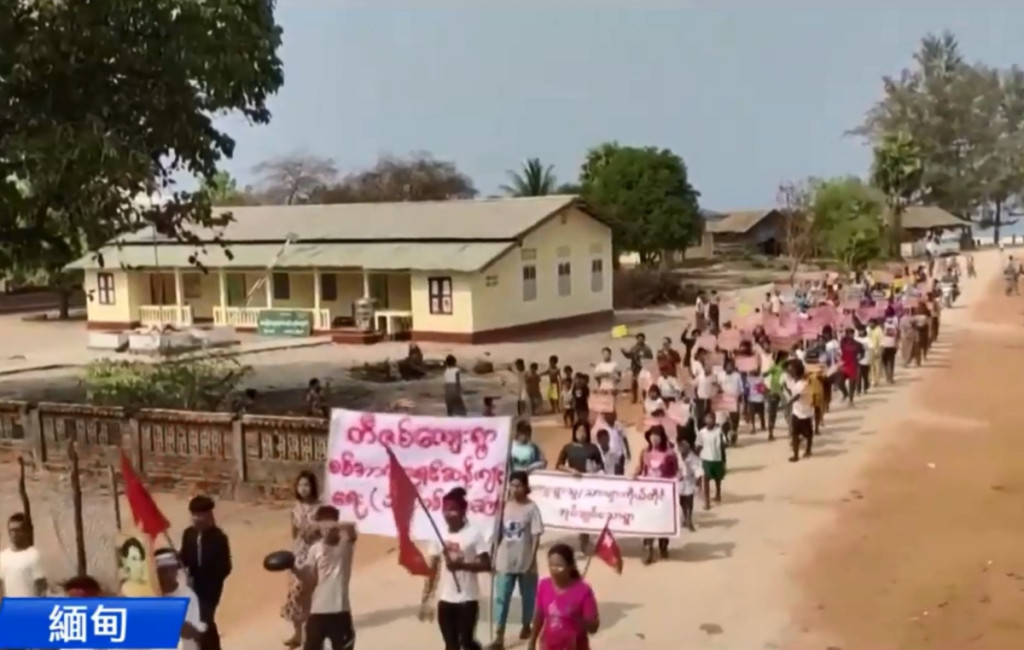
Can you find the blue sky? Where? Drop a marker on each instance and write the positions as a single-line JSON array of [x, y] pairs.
[[748, 95]]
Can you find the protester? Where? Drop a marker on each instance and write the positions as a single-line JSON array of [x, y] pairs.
[[566, 613], [315, 406], [636, 355], [515, 560], [578, 457], [206, 555], [522, 393], [653, 402], [801, 428], [890, 343], [456, 562], [773, 376], [607, 373], [554, 391], [658, 460], [580, 400], [526, 455], [711, 444], [691, 471], [327, 570], [194, 629], [568, 411], [731, 384], [21, 565], [305, 532], [533, 389], [754, 397], [82, 587]]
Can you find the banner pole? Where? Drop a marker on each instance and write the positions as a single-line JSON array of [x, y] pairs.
[[500, 525]]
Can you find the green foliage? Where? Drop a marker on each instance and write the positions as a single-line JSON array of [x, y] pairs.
[[534, 179], [199, 383], [645, 194], [966, 121], [897, 170], [103, 101], [222, 190]]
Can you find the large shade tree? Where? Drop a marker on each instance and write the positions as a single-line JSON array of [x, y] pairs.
[[646, 195], [418, 177], [897, 170], [103, 101]]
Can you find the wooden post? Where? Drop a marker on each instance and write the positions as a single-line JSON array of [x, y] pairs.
[[76, 503], [26, 506], [115, 493]]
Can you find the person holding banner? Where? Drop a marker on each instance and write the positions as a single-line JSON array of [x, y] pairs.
[[566, 613], [515, 559], [579, 457], [458, 557], [659, 460]]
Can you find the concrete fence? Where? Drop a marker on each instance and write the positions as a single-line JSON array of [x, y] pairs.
[[214, 453]]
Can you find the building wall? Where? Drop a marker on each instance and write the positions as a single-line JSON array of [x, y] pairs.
[[579, 240], [460, 321], [129, 290]]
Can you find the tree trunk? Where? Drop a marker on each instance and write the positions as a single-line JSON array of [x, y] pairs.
[[996, 222], [64, 296], [896, 233]]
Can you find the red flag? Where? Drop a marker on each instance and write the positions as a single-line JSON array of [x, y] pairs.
[[145, 512], [607, 549], [404, 498]]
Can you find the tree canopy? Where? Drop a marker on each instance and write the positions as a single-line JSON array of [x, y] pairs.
[[646, 195], [967, 122], [533, 179], [103, 101], [418, 177]]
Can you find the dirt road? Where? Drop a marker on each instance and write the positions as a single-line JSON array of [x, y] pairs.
[[928, 555]]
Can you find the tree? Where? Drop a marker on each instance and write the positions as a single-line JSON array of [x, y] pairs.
[[294, 178], [800, 235], [848, 219], [645, 194], [596, 159], [897, 170], [419, 177], [968, 123], [534, 179], [102, 101], [569, 188], [222, 190]]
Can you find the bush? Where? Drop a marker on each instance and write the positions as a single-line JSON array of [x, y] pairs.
[[201, 383], [639, 288]]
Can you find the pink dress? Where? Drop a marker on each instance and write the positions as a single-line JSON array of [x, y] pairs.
[[563, 615]]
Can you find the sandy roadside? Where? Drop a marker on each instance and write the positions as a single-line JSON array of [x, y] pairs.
[[729, 585], [930, 555]]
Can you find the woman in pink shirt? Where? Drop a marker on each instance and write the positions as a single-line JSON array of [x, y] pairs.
[[566, 613], [659, 460]]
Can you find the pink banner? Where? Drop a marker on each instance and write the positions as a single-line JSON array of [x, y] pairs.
[[706, 342], [748, 363], [724, 403], [729, 339]]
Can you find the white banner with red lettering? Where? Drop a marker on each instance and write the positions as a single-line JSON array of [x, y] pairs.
[[438, 453], [641, 507]]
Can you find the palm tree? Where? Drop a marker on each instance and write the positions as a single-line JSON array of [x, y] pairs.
[[896, 171], [534, 179]]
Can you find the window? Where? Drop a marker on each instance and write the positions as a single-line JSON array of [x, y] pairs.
[[328, 287], [528, 254], [282, 286], [440, 292], [597, 276], [564, 278], [529, 283], [491, 281], [192, 285], [105, 288]]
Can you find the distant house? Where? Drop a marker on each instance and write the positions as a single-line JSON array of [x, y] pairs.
[[920, 220], [756, 230]]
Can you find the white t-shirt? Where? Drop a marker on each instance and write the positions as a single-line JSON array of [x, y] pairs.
[[607, 372], [710, 442], [191, 614], [468, 544], [20, 570], [865, 343], [333, 566], [669, 387], [652, 405], [731, 382], [451, 375], [796, 388], [701, 380], [890, 330], [776, 304]]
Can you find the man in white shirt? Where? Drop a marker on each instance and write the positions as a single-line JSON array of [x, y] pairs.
[[328, 572], [801, 408], [168, 573], [21, 566], [711, 449]]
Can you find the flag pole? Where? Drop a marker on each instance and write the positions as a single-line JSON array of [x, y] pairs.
[[433, 524], [593, 549]]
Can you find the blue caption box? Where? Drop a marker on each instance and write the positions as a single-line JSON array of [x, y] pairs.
[[92, 623]]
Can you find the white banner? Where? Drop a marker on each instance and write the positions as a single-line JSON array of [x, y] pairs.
[[641, 507], [438, 453]]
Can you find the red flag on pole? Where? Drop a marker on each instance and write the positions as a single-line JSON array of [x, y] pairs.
[[145, 512], [404, 497], [607, 549]]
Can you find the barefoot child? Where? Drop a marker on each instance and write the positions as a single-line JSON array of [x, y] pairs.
[[554, 384], [711, 448]]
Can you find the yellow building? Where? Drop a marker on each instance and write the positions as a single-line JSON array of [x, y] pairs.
[[453, 271]]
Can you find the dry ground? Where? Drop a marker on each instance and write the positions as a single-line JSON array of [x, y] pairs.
[[927, 553]]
